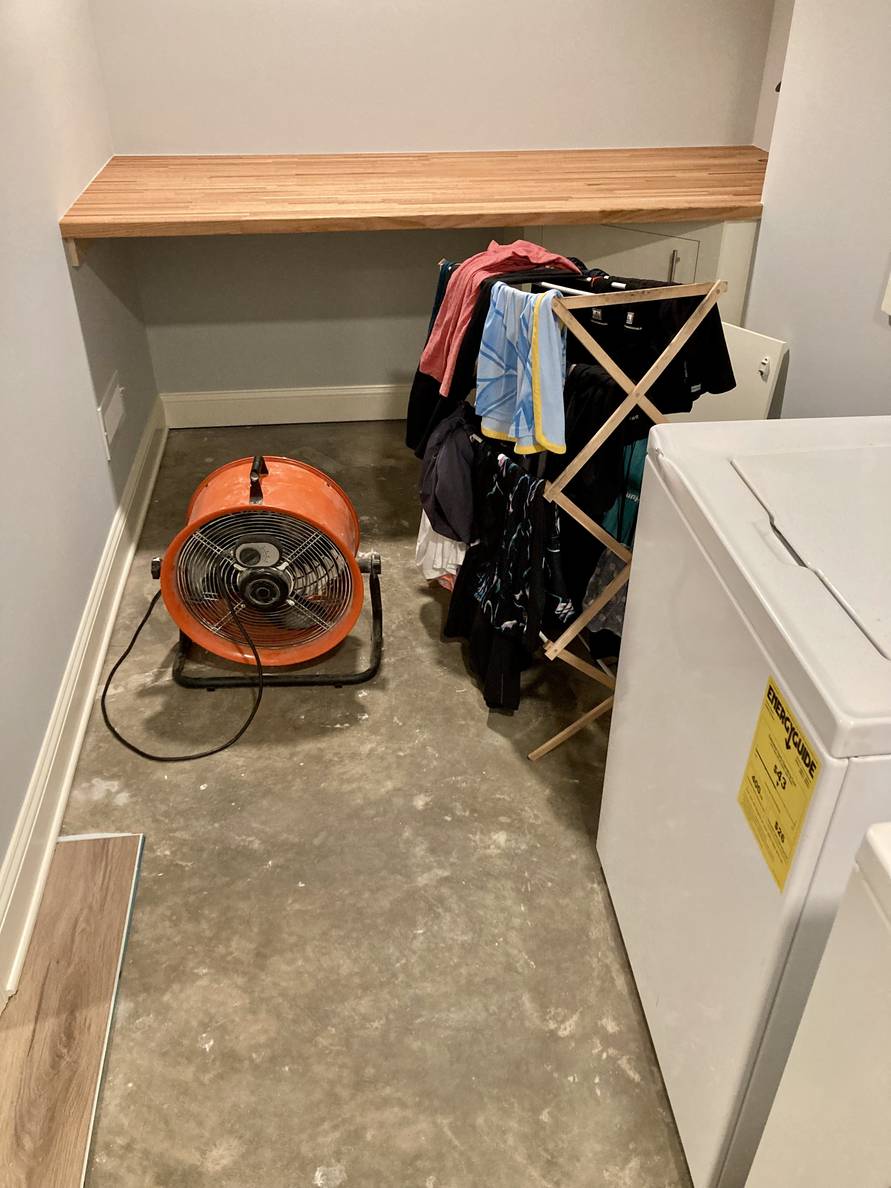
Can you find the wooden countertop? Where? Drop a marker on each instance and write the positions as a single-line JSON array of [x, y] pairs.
[[249, 195]]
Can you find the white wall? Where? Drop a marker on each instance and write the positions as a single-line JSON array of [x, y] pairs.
[[217, 76], [774, 62], [59, 494], [824, 249]]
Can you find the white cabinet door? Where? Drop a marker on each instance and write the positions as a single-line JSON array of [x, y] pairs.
[[682, 252], [757, 364]]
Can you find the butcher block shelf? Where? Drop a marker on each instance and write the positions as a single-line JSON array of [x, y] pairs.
[[259, 195]]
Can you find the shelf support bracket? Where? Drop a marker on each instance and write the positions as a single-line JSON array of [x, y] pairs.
[[75, 250]]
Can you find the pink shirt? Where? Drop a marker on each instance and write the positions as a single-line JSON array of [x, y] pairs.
[[441, 352]]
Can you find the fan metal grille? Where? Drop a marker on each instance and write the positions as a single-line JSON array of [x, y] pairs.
[[319, 575]]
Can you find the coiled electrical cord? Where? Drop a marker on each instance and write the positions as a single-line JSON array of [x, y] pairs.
[[198, 754]]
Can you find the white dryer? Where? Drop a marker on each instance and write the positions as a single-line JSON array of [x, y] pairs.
[[750, 747]]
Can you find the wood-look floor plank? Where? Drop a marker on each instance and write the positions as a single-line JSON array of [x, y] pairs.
[[54, 1030], [241, 195]]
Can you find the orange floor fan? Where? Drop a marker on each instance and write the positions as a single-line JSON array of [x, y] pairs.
[[266, 573]]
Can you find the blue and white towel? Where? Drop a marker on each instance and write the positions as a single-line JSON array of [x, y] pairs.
[[521, 371]]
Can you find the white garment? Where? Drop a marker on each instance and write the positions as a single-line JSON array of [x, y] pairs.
[[435, 554]]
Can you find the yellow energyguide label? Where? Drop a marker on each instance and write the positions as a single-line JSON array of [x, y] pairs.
[[778, 782]]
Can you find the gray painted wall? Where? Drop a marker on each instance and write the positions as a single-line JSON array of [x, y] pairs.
[[254, 76], [292, 311], [824, 248], [60, 494]]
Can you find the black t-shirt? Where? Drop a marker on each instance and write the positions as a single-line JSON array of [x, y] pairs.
[[591, 396], [635, 336]]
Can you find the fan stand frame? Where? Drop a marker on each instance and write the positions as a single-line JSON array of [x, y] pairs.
[[369, 564]]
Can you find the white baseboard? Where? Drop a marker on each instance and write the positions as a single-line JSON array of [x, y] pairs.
[[26, 864], [283, 406]]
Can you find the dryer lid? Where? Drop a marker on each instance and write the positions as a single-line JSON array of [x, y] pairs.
[[796, 517], [832, 508]]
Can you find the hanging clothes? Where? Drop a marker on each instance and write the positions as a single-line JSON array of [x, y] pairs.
[[426, 406], [446, 268], [515, 581], [441, 351], [621, 519], [437, 556], [605, 629], [464, 378], [591, 396], [521, 371], [517, 584], [446, 485], [635, 335], [419, 420], [510, 586]]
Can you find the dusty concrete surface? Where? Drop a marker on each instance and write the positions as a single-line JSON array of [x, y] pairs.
[[372, 945]]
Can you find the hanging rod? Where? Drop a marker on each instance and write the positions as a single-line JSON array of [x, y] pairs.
[[566, 289]]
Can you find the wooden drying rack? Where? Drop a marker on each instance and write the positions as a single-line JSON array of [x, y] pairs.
[[635, 397]]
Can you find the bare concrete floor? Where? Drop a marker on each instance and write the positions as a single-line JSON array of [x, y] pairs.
[[372, 944]]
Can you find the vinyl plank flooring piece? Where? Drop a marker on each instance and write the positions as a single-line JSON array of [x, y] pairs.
[[250, 195], [54, 1031]]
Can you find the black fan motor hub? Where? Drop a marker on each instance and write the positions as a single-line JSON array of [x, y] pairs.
[[263, 588]]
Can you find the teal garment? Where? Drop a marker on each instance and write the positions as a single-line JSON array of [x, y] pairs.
[[621, 519], [446, 268]]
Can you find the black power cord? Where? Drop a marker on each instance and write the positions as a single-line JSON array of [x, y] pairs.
[[198, 754]]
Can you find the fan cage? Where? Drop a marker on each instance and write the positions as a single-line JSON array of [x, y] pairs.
[[319, 575]]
